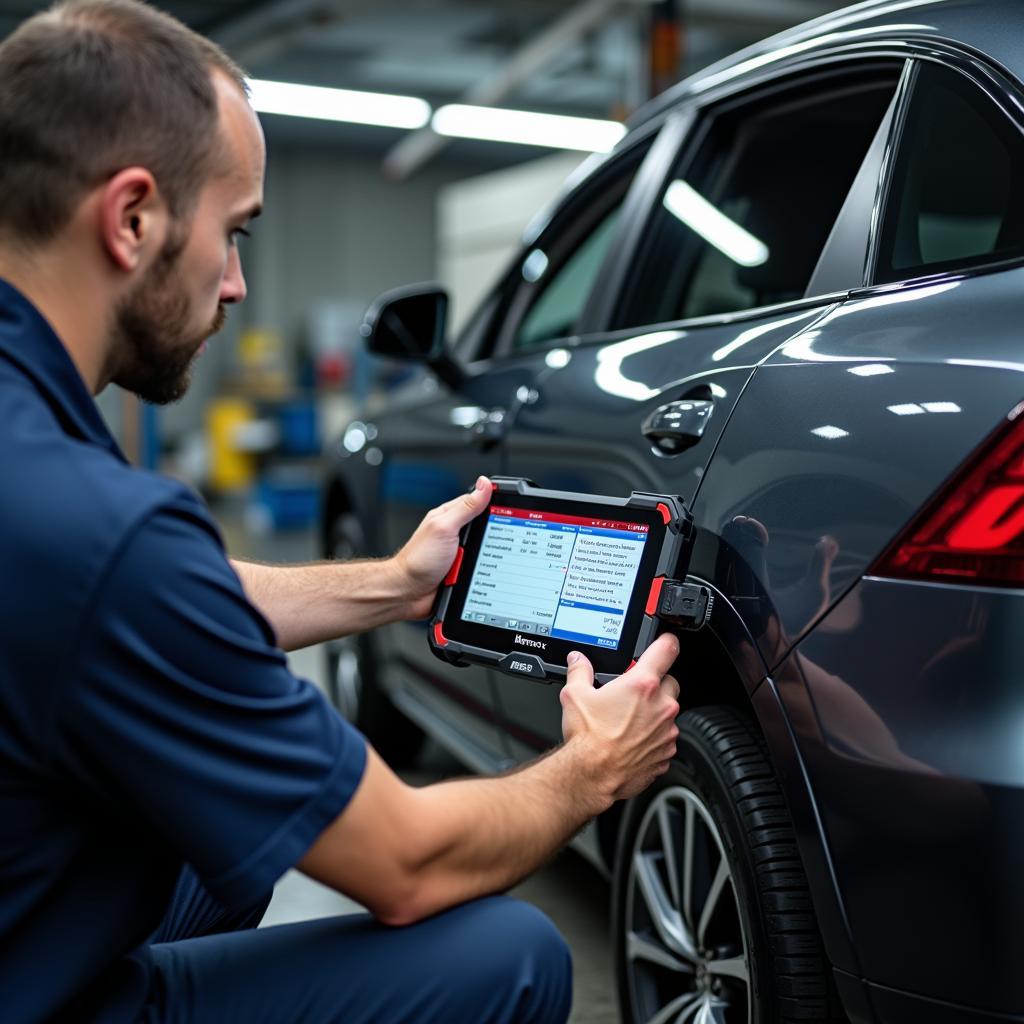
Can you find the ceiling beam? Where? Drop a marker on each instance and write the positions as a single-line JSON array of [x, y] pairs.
[[277, 26], [422, 145]]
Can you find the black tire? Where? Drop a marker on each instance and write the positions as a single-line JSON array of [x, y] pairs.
[[353, 674], [756, 956]]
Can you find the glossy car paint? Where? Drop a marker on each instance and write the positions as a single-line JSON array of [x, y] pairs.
[[919, 776], [891, 710]]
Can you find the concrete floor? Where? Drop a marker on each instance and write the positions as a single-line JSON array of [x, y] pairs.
[[569, 890]]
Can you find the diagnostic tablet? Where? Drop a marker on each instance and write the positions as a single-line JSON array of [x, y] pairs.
[[541, 573]]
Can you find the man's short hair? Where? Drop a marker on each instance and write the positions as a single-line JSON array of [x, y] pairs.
[[90, 87]]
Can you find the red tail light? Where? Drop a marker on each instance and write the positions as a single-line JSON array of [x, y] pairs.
[[973, 531]]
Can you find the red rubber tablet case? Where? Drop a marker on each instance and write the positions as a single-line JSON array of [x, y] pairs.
[[541, 573]]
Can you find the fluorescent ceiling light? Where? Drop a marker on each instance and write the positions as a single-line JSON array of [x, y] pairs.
[[324, 104], [713, 226], [555, 131], [870, 370], [941, 406], [830, 433], [907, 409]]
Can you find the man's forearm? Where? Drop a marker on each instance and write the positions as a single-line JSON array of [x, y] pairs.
[[307, 604], [485, 835], [406, 853]]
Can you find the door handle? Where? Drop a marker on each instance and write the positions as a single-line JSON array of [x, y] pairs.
[[674, 427]]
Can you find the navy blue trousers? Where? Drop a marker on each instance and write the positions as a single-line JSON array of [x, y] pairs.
[[493, 961]]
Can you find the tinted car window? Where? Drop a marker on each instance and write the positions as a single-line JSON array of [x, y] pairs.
[[957, 194], [746, 213], [550, 289], [561, 303]]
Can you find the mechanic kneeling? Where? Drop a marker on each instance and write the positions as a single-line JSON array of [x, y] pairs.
[[160, 768]]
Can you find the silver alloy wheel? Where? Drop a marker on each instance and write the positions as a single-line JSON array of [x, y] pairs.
[[348, 680], [686, 943], [344, 658]]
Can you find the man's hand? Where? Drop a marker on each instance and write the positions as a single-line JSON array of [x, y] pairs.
[[406, 852], [427, 556], [625, 732]]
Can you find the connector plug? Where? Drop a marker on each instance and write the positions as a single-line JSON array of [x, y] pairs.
[[685, 604]]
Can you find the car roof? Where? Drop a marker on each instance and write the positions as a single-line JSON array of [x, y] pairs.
[[993, 27]]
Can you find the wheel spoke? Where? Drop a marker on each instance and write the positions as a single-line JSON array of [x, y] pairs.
[[733, 967], [640, 948], [667, 921], [712, 1011], [721, 877], [689, 835], [668, 845], [678, 1011]]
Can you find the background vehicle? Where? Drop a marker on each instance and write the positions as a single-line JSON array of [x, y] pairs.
[[814, 254]]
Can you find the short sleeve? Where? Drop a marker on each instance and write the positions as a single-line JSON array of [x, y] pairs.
[[181, 712]]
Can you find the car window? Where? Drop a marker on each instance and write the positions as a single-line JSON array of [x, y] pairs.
[[556, 278], [561, 303], [745, 214], [957, 192]]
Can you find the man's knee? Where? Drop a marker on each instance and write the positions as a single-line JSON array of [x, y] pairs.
[[533, 960]]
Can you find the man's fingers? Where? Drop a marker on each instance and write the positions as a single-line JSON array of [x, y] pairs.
[[660, 656], [581, 672], [454, 514], [671, 687]]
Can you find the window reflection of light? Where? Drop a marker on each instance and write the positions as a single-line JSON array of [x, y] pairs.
[[941, 406], [557, 358], [535, 265], [713, 226], [907, 409], [830, 433], [870, 370], [609, 376], [752, 335], [717, 390]]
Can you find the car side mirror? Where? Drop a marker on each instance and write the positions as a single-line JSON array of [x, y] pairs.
[[410, 324]]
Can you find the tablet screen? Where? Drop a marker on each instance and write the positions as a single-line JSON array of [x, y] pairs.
[[549, 574]]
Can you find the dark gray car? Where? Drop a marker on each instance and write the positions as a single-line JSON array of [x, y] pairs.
[[793, 295]]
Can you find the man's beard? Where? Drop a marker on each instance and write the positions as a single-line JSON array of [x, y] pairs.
[[153, 333]]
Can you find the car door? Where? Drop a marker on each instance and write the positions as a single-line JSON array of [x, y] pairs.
[[432, 444], [436, 438], [737, 249]]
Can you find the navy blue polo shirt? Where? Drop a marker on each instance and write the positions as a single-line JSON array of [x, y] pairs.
[[147, 718]]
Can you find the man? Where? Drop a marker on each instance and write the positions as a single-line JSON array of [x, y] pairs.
[[159, 766]]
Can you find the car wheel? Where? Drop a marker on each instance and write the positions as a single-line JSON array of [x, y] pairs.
[[353, 680], [712, 913]]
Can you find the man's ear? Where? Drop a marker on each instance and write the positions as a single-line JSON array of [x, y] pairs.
[[133, 218]]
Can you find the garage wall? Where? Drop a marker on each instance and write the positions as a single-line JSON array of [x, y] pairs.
[[332, 230]]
